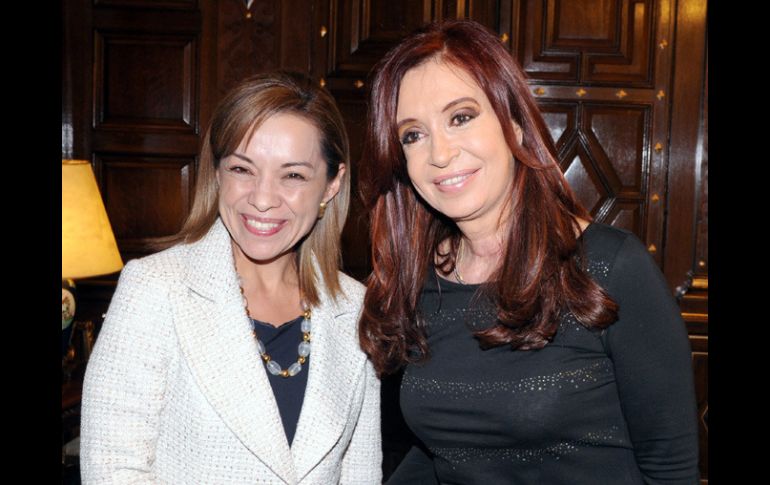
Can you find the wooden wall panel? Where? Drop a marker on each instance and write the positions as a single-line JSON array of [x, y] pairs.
[[362, 31], [247, 40], [619, 135], [145, 116], [77, 65], [605, 42], [603, 156], [355, 236], [485, 12], [178, 4], [145, 197], [626, 215], [686, 226], [610, 61], [145, 82], [562, 122], [586, 182]]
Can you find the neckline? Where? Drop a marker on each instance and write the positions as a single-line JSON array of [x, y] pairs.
[[283, 325], [580, 238], [589, 226]]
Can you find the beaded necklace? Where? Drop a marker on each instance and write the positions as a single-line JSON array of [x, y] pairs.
[[303, 349]]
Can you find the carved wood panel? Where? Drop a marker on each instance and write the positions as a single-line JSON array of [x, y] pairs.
[[247, 40], [603, 156], [609, 60], [607, 42], [361, 32], [179, 4], [145, 197], [145, 82], [145, 103]]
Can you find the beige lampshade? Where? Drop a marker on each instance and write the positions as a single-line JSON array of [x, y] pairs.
[[88, 247]]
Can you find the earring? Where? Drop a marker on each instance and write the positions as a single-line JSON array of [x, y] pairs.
[[322, 209]]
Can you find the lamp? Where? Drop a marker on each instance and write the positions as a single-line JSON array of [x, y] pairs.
[[88, 245]]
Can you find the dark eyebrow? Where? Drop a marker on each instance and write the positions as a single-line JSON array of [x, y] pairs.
[[458, 101], [448, 106], [244, 158], [301, 164], [285, 165], [403, 122]]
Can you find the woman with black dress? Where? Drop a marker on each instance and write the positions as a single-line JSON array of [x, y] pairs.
[[538, 346]]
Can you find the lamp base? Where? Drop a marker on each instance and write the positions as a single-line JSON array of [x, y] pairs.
[[67, 313]]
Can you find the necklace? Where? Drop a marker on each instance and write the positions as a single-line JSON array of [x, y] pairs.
[[457, 263], [303, 350]]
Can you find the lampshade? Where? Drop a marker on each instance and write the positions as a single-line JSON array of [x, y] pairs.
[[88, 247]]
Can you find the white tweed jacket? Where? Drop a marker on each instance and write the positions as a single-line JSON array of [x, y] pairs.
[[175, 391]]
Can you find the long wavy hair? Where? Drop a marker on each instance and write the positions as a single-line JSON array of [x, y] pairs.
[[539, 276], [239, 115]]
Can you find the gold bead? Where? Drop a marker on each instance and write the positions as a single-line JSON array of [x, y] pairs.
[[324, 31], [504, 37], [284, 373], [651, 248], [306, 337], [301, 360], [358, 84], [266, 357], [306, 314]]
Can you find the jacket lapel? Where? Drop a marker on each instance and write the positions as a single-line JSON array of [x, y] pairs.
[[335, 367], [216, 340]]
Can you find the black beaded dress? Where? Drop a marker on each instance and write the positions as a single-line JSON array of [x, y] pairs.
[[592, 407]]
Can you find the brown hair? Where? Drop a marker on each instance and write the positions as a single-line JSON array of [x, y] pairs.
[[237, 116], [538, 277]]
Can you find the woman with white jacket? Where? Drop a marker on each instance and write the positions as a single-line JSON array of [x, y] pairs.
[[232, 356]]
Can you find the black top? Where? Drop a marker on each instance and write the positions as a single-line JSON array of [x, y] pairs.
[[281, 345], [594, 407]]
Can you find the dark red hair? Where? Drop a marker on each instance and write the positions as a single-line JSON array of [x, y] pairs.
[[539, 276]]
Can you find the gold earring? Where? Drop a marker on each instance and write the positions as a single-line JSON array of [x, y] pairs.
[[322, 209]]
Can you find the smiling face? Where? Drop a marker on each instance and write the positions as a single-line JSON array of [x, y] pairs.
[[270, 188], [456, 153]]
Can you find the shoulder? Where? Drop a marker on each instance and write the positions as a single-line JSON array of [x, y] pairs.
[[613, 244], [352, 289], [164, 266], [620, 261], [604, 245], [346, 307], [206, 256], [603, 238], [343, 313]]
